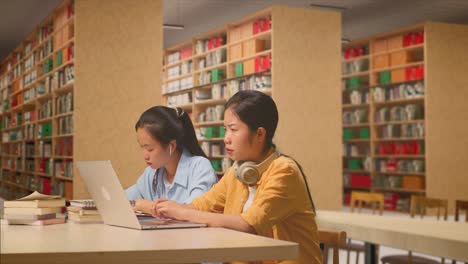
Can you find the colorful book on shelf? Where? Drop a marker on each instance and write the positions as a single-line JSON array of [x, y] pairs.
[[36, 200]]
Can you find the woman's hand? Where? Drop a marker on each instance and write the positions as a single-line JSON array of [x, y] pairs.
[[143, 205], [170, 209], [154, 211]]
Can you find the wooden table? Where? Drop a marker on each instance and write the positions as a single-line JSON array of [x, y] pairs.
[[97, 243], [436, 238]]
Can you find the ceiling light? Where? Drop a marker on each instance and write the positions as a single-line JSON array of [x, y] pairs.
[[329, 7], [345, 40], [173, 26]]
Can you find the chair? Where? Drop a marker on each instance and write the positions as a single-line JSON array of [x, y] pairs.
[[331, 239], [368, 198], [461, 205], [420, 204], [360, 198]]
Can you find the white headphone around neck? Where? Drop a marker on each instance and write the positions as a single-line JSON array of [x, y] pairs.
[[249, 172]]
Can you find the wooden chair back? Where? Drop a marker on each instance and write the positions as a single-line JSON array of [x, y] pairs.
[[421, 204], [459, 206], [331, 240], [369, 198]]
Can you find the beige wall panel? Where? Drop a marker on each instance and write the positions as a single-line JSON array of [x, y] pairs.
[[306, 87], [118, 76], [447, 111]]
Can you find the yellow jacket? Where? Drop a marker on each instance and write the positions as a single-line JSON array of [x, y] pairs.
[[281, 208]]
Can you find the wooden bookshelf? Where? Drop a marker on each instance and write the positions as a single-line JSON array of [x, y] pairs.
[[31, 77], [285, 82], [393, 63]]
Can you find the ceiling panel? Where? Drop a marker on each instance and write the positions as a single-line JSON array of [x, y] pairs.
[[361, 18]]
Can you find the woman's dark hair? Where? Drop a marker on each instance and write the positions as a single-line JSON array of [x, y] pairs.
[[256, 109], [166, 124]]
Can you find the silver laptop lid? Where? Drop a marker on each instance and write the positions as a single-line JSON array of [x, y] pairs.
[[105, 188]]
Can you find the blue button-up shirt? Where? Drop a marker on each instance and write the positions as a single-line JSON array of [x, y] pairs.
[[194, 176]]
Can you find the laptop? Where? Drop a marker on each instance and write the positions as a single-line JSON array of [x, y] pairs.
[[112, 202]]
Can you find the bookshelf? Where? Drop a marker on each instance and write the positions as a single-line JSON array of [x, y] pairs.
[[256, 52], [36, 87], [392, 98]]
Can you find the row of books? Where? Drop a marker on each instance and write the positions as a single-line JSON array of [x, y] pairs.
[[63, 169], [180, 99], [65, 125], [45, 110], [353, 150], [401, 91], [64, 103], [400, 113], [182, 69], [403, 130], [174, 86]]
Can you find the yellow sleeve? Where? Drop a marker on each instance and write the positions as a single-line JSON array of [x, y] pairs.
[[215, 199], [279, 197]]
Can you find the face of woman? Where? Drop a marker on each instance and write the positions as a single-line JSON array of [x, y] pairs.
[[154, 154], [241, 143]]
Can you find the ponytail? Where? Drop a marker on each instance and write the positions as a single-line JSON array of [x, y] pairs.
[[166, 124], [189, 139]]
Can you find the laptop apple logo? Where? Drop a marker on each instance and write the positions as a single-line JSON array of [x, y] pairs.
[[105, 193]]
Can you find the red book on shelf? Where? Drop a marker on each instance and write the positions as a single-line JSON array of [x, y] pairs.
[[258, 63], [265, 24], [69, 10], [210, 44], [266, 62], [390, 201], [358, 180], [46, 186], [256, 27], [42, 165]]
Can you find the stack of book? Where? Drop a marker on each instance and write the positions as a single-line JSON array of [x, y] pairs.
[[83, 212], [34, 209]]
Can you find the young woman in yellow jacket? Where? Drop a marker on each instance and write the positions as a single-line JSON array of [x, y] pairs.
[[263, 193]]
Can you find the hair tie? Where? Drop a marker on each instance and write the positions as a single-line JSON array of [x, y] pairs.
[[179, 113]]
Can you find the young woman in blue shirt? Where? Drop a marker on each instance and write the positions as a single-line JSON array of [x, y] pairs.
[[177, 168]]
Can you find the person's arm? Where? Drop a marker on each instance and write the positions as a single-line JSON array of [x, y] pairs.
[[140, 192], [140, 188], [174, 210], [203, 179]]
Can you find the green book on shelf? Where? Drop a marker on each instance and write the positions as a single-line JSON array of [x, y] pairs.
[[217, 75], [239, 69], [348, 134], [216, 164], [385, 77], [59, 58], [222, 132], [354, 164], [354, 82], [47, 167], [364, 133], [46, 130], [211, 132]]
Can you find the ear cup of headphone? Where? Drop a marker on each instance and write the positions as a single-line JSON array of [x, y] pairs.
[[247, 172]]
